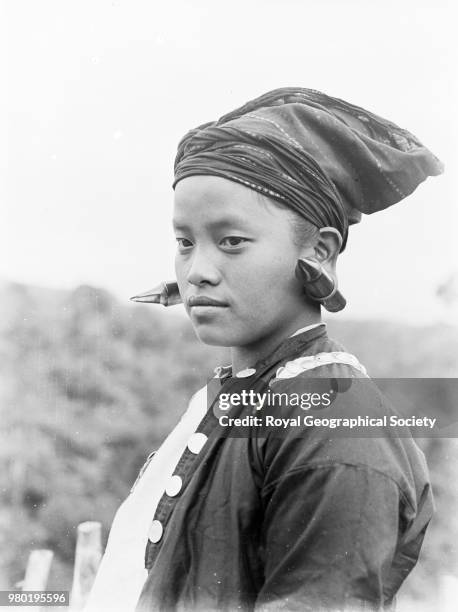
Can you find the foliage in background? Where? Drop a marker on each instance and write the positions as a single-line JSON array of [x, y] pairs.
[[89, 387]]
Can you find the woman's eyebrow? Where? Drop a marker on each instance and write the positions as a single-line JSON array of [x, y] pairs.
[[229, 221], [179, 226]]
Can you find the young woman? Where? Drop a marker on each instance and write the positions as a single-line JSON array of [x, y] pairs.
[[251, 518]]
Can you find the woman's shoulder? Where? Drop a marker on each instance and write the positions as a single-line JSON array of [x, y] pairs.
[[326, 357]]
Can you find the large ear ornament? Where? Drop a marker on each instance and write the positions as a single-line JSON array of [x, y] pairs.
[[166, 293], [319, 285]]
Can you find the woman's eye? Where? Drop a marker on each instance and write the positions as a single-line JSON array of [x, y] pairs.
[[184, 243], [232, 241]]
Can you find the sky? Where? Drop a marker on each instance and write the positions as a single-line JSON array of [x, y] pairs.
[[100, 92]]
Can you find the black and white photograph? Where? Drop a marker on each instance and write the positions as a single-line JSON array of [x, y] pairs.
[[229, 306]]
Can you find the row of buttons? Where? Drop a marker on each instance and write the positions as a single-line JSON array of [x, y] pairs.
[[174, 485]]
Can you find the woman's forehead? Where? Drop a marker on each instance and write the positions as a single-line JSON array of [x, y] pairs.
[[209, 188], [215, 201]]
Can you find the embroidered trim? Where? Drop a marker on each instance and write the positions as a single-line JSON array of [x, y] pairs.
[[257, 187], [292, 140], [302, 364]]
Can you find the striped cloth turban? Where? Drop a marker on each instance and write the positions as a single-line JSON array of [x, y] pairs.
[[326, 159]]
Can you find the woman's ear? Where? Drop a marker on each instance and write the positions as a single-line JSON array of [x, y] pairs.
[[327, 247], [316, 269]]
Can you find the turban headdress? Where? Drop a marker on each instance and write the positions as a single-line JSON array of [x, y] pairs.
[[326, 159]]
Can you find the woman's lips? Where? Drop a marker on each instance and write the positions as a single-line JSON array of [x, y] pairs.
[[204, 300]]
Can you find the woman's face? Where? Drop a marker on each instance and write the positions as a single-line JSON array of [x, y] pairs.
[[235, 248]]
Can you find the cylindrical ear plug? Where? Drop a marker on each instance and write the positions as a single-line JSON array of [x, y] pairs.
[[166, 293], [319, 285]]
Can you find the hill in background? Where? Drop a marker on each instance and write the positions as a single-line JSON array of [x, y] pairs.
[[89, 387]]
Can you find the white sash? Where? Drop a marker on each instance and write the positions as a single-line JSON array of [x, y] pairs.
[[122, 573]]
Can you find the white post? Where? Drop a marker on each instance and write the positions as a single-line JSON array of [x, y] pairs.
[[87, 559], [37, 572]]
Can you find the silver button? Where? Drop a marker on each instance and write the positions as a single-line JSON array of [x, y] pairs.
[[196, 442], [155, 531], [246, 373], [174, 485]]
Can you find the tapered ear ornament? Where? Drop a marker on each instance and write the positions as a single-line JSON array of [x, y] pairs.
[[319, 285], [166, 293]]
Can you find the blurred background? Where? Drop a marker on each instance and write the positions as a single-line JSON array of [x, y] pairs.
[[97, 96]]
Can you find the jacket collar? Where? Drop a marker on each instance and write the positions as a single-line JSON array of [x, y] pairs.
[[293, 345]]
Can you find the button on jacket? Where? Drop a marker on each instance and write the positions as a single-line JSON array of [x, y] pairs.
[[288, 522]]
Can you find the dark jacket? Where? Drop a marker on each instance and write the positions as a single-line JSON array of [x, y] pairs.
[[290, 521]]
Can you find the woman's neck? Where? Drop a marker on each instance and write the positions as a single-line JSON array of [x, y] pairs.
[[246, 356]]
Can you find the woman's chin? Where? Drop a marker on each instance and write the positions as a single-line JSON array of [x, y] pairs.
[[213, 337], [220, 334], [214, 334]]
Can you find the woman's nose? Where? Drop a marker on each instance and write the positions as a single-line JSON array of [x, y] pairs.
[[203, 269]]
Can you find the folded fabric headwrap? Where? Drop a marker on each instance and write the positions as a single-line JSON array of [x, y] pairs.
[[326, 159]]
